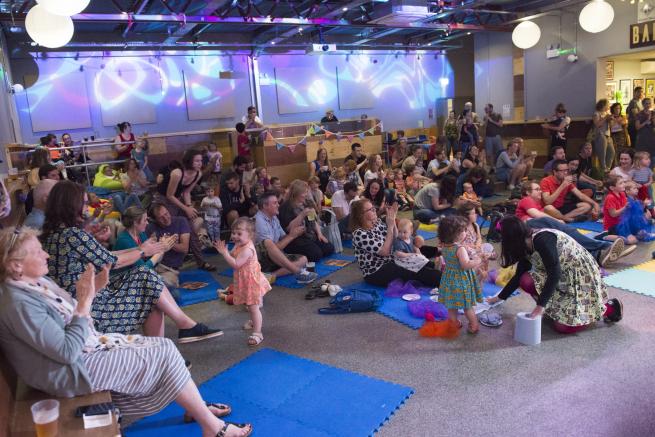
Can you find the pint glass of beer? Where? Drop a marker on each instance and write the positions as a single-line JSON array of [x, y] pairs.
[[312, 215], [46, 416]]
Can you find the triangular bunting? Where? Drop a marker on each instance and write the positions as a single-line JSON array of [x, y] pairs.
[[310, 131], [269, 137], [361, 135], [303, 141], [371, 130], [328, 134], [339, 135], [279, 146], [292, 147], [350, 138]]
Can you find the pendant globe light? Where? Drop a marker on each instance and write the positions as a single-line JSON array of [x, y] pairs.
[[48, 30], [596, 16], [64, 7], [526, 34]]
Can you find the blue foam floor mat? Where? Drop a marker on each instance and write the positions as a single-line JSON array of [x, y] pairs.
[[635, 280], [396, 309], [289, 281], [185, 297], [589, 226], [293, 402]]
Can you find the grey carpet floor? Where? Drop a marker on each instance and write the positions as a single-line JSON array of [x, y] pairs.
[[596, 383]]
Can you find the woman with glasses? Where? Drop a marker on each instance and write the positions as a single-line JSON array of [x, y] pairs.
[[50, 340], [372, 241], [557, 126]]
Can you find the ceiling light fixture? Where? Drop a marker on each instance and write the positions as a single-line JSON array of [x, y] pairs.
[[47, 29], [64, 8], [526, 34], [596, 16]]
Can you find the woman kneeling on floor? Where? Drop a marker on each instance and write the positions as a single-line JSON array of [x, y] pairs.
[[559, 274], [50, 341]]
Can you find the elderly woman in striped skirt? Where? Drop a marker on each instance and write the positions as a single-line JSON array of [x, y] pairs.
[[49, 339]]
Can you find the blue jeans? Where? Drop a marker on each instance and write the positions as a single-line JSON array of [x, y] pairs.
[[451, 146], [493, 147], [425, 215], [344, 225], [122, 201], [592, 245]]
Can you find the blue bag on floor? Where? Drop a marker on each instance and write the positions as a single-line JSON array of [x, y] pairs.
[[353, 301]]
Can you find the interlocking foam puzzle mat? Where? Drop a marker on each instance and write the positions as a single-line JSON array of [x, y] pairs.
[[323, 268], [286, 395], [638, 279], [185, 297]]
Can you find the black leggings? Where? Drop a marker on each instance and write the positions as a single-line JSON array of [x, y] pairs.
[[314, 250], [390, 271]]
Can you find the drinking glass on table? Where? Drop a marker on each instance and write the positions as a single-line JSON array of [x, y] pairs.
[[46, 416]]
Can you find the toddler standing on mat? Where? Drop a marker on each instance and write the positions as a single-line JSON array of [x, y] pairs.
[[459, 287], [212, 207], [249, 284]]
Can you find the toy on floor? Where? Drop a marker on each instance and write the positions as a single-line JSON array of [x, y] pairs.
[[444, 329]]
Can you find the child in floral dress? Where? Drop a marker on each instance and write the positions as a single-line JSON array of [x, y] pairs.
[[250, 285]]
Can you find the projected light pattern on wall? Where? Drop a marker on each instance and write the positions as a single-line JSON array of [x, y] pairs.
[[178, 87], [359, 82]]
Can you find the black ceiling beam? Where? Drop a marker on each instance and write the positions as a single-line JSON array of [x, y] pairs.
[[212, 7]]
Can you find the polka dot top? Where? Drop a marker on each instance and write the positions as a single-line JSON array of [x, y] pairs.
[[367, 243]]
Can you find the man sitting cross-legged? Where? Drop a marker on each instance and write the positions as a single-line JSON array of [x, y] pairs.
[[271, 241], [559, 191]]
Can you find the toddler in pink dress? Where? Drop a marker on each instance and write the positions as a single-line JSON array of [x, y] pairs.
[[250, 285]]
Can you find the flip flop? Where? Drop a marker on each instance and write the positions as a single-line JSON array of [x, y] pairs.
[[226, 409]]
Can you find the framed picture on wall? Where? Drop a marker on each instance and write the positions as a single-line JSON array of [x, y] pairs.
[[624, 88], [609, 70], [637, 82], [650, 88], [610, 91]]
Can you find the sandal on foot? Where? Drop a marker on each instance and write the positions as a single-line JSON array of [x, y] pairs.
[[241, 426], [248, 325], [255, 338], [223, 410]]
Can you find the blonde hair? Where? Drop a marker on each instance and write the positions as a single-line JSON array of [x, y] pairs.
[[631, 184], [314, 179], [244, 223], [636, 160], [12, 240], [405, 223], [357, 213], [350, 165], [296, 188], [339, 173]]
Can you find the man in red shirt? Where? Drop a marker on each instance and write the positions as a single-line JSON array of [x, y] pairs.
[[559, 191], [531, 206]]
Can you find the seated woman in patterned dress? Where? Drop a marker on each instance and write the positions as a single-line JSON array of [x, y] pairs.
[[559, 274], [135, 297], [49, 339]]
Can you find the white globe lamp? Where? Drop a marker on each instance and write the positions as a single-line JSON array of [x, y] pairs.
[[64, 7], [596, 16], [526, 34], [48, 30]]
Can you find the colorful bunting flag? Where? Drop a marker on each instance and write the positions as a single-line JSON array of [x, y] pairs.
[[339, 135], [269, 137], [279, 146], [310, 131], [371, 130], [328, 134], [303, 141], [292, 147], [361, 135], [350, 138]]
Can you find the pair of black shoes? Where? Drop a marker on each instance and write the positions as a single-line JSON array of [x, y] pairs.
[[317, 291]]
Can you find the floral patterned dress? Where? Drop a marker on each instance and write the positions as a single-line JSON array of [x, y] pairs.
[[459, 288], [580, 295], [250, 284], [125, 303]]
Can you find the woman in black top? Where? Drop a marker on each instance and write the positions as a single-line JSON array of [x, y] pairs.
[[562, 277], [174, 191], [375, 193], [294, 212]]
